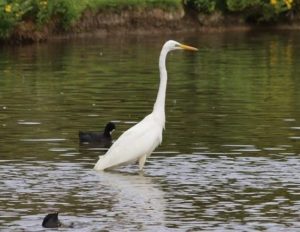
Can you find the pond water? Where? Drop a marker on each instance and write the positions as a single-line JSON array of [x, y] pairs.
[[229, 160]]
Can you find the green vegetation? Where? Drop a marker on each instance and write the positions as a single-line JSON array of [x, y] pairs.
[[124, 4], [254, 11], [67, 12], [64, 13]]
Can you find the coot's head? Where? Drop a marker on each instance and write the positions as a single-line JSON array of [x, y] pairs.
[[110, 127], [51, 221]]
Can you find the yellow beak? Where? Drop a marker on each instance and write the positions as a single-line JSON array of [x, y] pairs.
[[186, 47]]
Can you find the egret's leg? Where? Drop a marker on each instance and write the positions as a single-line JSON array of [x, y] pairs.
[[142, 161]]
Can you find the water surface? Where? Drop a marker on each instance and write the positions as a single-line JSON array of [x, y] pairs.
[[229, 160]]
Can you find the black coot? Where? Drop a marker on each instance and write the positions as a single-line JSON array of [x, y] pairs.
[[51, 221], [102, 139]]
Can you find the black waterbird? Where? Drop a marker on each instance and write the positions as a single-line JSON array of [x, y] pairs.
[[102, 139], [51, 221]]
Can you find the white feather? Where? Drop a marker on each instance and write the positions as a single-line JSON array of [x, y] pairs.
[[142, 138]]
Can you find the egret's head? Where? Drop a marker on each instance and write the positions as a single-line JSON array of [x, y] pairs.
[[173, 45]]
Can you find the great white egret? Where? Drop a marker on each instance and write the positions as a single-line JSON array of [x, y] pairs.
[[139, 141], [102, 139]]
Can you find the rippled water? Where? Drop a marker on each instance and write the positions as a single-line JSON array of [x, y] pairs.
[[229, 160]]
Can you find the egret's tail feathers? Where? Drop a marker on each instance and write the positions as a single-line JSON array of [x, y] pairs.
[[99, 166], [103, 163]]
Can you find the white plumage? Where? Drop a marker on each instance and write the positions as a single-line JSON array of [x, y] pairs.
[[138, 142]]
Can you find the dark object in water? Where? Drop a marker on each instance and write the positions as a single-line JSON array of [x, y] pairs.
[[100, 138], [51, 221]]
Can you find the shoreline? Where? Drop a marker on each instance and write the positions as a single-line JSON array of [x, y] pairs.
[[135, 21]]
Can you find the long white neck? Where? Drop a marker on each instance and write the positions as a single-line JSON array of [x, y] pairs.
[[159, 106]]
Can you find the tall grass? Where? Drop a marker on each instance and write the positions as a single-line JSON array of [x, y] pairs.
[[121, 4]]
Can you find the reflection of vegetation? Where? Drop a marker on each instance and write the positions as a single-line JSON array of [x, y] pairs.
[[240, 93], [240, 89]]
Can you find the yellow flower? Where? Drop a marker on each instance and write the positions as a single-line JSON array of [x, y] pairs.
[[7, 8], [273, 2], [288, 3]]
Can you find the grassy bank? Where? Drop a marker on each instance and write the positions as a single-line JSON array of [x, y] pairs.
[[38, 19]]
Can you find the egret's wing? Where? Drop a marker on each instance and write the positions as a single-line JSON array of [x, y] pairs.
[[139, 140]]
